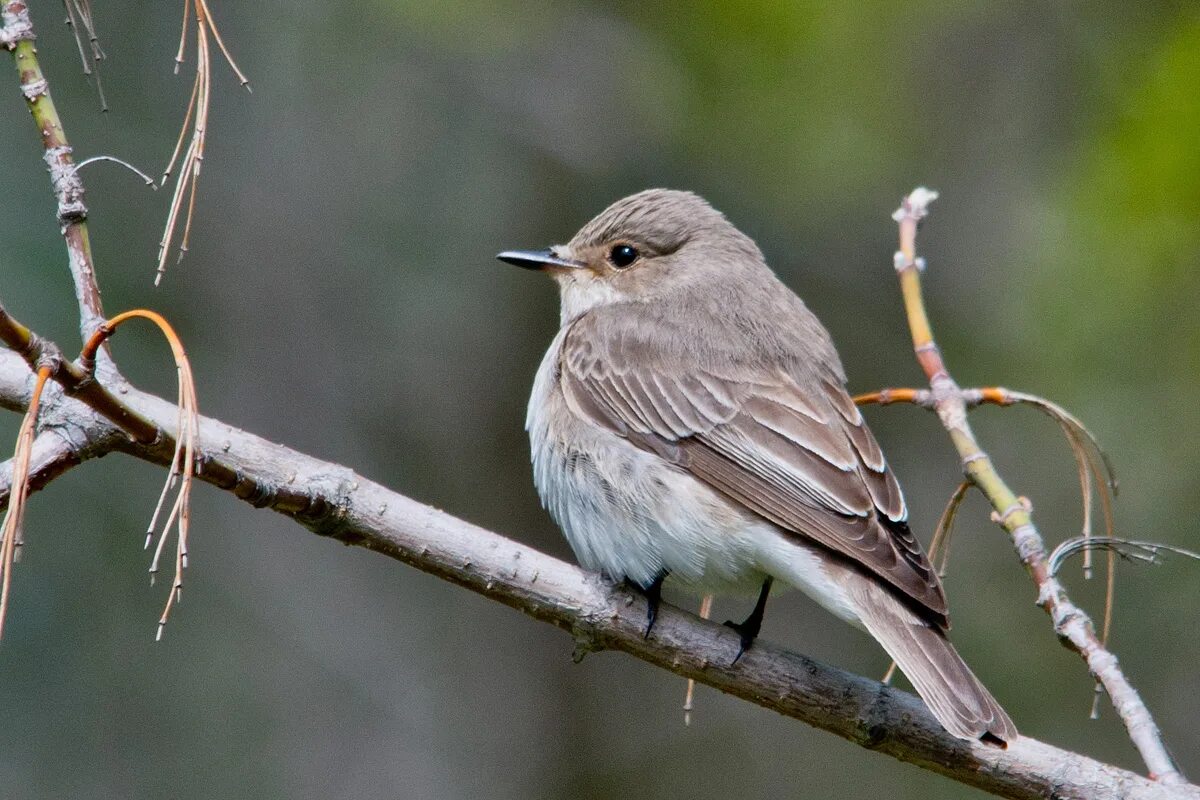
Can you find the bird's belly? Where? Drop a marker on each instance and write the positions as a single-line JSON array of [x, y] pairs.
[[629, 514]]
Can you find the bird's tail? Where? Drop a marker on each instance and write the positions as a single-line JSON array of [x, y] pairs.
[[951, 691]]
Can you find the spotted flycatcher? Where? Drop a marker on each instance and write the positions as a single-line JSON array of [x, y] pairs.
[[691, 420]]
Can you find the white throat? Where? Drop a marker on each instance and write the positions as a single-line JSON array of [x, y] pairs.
[[582, 292]]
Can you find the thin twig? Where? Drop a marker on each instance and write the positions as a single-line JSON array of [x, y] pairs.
[[64, 177], [183, 458], [82, 24], [11, 528], [78, 380], [939, 545], [1137, 552], [1092, 463], [196, 117], [705, 610], [149, 181], [1071, 623], [1128, 549]]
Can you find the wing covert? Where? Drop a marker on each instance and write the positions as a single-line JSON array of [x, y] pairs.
[[793, 449]]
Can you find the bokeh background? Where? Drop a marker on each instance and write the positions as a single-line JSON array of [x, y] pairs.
[[341, 296]]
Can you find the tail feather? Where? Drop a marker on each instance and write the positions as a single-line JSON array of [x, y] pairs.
[[943, 680]]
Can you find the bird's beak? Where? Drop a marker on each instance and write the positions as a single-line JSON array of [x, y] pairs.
[[538, 259]]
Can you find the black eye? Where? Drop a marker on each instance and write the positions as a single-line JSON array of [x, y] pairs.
[[622, 255]]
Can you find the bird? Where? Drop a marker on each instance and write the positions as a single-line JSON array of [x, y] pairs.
[[691, 420]]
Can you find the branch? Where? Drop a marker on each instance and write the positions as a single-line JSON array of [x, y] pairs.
[[333, 501], [1071, 623], [17, 36], [75, 379], [68, 433]]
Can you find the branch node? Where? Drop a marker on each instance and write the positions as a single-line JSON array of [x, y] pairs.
[[35, 89], [1028, 543], [67, 185], [50, 358], [1022, 504], [257, 493], [17, 26]]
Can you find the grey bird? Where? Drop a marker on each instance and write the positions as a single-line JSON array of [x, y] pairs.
[[691, 420]]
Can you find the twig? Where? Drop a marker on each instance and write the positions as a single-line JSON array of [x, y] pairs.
[[183, 459], [11, 529], [82, 24], [149, 181], [939, 545], [64, 176], [1091, 462], [1071, 623], [196, 116], [1128, 549], [689, 695], [78, 381]]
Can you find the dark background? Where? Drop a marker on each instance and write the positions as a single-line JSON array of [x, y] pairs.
[[341, 296]]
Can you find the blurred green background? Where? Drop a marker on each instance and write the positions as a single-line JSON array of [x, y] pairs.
[[341, 296]]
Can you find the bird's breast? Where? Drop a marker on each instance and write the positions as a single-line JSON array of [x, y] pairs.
[[627, 512]]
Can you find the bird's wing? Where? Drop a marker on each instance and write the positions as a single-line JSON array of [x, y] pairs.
[[799, 456]]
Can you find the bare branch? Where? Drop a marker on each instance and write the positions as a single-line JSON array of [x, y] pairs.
[[333, 501], [54, 453], [1072, 625], [75, 379]]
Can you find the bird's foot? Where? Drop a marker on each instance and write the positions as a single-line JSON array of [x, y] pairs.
[[748, 628], [747, 632], [653, 594]]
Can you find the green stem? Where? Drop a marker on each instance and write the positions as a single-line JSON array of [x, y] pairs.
[[65, 180]]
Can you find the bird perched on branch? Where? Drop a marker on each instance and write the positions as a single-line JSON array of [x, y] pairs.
[[691, 420]]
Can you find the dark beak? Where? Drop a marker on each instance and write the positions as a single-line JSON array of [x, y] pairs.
[[537, 259]]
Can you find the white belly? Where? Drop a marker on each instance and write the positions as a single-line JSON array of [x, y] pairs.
[[629, 514], [625, 512]]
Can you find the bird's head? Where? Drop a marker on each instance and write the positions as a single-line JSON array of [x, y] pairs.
[[644, 246]]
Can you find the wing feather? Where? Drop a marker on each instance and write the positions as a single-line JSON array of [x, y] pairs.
[[793, 449]]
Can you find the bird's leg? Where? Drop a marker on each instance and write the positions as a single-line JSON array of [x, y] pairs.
[[653, 594], [748, 629]]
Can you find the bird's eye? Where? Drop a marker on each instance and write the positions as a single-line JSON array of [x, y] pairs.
[[622, 255]]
